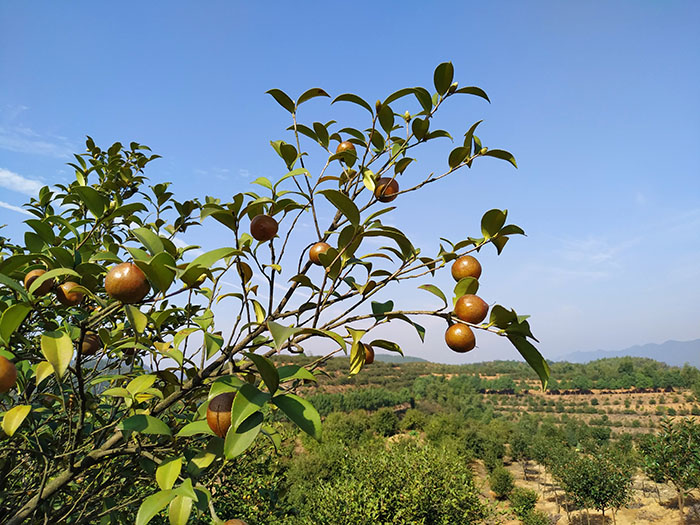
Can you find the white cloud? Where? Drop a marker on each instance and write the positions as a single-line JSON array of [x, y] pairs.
[[14, 182], [14, 208], [25, 140]]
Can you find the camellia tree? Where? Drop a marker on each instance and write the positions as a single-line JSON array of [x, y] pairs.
[[127, 384]]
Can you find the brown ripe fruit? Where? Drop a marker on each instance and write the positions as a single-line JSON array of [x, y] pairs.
[[66, 296], [316, 250], [345, 146], [386, 189], [263, 228], [369, 354], [91, 344], [8, 374], [219, 413], [127, 283], [33, 276], [460, 338], [235, 522], [466, 266], [471, 309]]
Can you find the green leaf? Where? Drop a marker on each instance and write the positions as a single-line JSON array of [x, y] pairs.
[[344, 204], [137, 318], [13, 418], [179, 510], [502, 317], [167, 473], [213, 343], [349, 97], [11, 283], [240, 438], [419, 329], [368, 180], [501, 154], [225, 384], [443, 76], [326, 333], [424, 98], [386, 118], [159, 271], [473, 90], [387, 345], [57, 348], [152, 505], [492, 222], [533, 357], [282, 99], [435, 291], [457, 156], [51, 274], [141, 384], [194, 428], [420, 127], [209, 258], [93, 199], [280, 334], [301, 412], [248, 400], [149, 239], [398, 94], [402, 164], [145, 424], [499, 243], [267, 371], [466, 285], [291, 372], [380, 309], [311, 93], [11, 319]]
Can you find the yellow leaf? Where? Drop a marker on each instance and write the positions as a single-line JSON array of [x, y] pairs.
[[14, 417], [58, 350], [43, 370]]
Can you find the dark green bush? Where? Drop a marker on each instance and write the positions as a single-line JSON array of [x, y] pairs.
[[536, 517], [522, 501], [501, 482], [384, 422]]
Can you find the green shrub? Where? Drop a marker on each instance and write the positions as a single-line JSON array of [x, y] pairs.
[[501, 482], [384, 422], [404, 483], [536, 517], [413, 420], [522, 501]]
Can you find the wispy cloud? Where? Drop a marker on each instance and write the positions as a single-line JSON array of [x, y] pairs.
[[14, 208], [15, 182], [21, 139]]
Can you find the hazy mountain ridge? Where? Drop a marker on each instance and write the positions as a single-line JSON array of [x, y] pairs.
[[674, 353]]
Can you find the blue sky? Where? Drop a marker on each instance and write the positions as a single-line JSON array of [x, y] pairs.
[[597, 100]]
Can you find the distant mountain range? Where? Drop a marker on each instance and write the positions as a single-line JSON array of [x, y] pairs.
[[397, 358], [674, 353]]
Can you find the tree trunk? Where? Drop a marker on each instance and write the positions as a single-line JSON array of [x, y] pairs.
[[588, 517], [681, 504], [614, 517]]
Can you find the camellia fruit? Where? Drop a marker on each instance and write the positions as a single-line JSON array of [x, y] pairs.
[[471, 309], [8, 374], [369, 354], [235, 522], [66, 296], [91, 343], [345, 146], [263, 228], [219, 413], [33, 276], [316, 250], [466, 266], [127, 283], [386, 189], [460, 338]]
